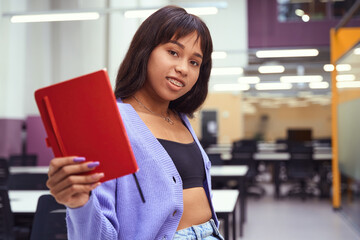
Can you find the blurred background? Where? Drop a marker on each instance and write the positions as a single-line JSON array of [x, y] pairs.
[[285, 77]]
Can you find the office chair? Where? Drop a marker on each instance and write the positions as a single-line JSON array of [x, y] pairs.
[[4, 173], [6, 216], [7, 229], [23, 160], [215, 159], [242, 154], [49, 220], [300, 168], [28, 181]]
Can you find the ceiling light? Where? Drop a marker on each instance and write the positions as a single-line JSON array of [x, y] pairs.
[[300, 79], [231, 87], [319, 85], [287, 53], [345, 77], [357, 51], [249, 80], [53, 17], [305, 18], [348, 84], [227, 71], [144, 13], [271, 69], [343, 67], [202, 10], [218, 55], [299, 12], [328, 67], [273, 86]]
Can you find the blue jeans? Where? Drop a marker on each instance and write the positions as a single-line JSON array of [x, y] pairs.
[[207, 231]]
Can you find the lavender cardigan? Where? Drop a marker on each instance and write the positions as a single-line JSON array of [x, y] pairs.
[[115, 209]]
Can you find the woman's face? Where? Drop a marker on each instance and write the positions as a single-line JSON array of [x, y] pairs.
[[173, 68]]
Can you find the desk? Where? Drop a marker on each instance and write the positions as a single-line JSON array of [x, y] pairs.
[[279, 157], [225, 202], [25, 201], [237, 173], [29, 169]]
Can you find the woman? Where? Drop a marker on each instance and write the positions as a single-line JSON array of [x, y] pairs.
[[162, 80]]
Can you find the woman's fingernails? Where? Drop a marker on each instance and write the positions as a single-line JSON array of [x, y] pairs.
[[79, 159], [98, 175], [93, 164]]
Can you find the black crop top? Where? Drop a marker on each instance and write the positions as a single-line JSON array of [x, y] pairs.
[[188, 161]]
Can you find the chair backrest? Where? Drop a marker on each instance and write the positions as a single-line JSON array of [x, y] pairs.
[[6, 216], [49, 220], [243, 151], [23, 160], [28, 181], [4, 172], [215, 159], [300, 164]]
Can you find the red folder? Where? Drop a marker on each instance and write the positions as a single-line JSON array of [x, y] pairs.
[[81, 118]]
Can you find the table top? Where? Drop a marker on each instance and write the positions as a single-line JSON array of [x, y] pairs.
[[29, 169], [283, 156], [25, 201], [225, 200], [233, 170]]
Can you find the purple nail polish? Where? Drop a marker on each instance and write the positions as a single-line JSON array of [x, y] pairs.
[[79, 159], [93, 164]]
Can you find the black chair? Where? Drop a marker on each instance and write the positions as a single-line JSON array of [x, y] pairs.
[[49, 220], [242, 154], [301, 168], [6, 217], [23, 160], [4, 173], [7, 229], [28, 181], [215, 159]]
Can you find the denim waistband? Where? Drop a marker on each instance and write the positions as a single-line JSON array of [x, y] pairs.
[[199, 231]]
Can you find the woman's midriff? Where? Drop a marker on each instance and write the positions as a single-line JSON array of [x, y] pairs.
[[196, 208]]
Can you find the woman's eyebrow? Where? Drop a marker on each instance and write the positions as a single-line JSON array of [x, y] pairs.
[[183, 47]]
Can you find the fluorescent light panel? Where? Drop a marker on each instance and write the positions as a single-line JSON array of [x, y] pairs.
[[353, 84], [287, 53], [231, 87], [319, 85], [144, 13], [328, 67], [343, 67], [357, 51], [345, 77], [301, 79], [273, 86], [54, 17], [227, 71], [271, 69]]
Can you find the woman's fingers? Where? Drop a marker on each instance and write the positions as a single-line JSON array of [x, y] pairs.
[[71, 169], [74, 180], [76, 195], [58, 163]]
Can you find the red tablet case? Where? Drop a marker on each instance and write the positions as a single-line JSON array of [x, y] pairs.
[[81, 118]]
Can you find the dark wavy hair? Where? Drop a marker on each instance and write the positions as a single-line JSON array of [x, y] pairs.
[[163, 25]]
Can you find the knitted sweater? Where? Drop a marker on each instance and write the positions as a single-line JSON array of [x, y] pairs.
[[115, 209]]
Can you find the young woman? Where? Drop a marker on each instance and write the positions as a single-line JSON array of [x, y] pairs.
[[162, 81]]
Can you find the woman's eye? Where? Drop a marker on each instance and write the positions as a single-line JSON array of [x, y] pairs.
[[173, 53], [194, 63]]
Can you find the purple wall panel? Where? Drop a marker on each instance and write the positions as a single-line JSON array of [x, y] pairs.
[[266, 32], [10, 137], [35, 140]]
